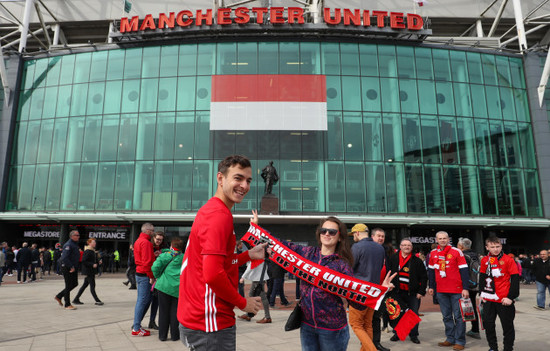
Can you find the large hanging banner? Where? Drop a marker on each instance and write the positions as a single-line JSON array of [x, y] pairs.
[[362, 292]]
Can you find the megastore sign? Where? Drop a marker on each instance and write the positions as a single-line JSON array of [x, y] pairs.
[[274, 16]]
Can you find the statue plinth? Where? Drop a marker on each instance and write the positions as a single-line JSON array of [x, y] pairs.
[[269, 205]]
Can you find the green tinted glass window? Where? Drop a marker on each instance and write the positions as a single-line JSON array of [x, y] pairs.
[[226, 61], [507, 103], [291, 189], [95, 101], [470, 190], [475, 70], [45, 142], [387, 61], [124, 186], [148, 96], [182, 185], [28, 74], [82, 67], [40, 187], [164, 146], [12, 201], [37, 103], [532, 193], [405, 62], [368, 55], [528, 148], [503, 71], [115, 66], [517, 187], [202, 179], [169, 60], [247, 58], [25, 192], [151, 62], [441, 63], [335, 142], [376, 189], [504, 201], [372, 133], [92, 133], [113, 96], [522, 105], [331, 58], [414, 180], [167, 94], [408, 95], [467, 141], [204, 85], [54, 69], [184, 135], [64, 101], [289, 58], [268, 58], [448, 140], [452, 188], [389, 89], [370, 93], [108, 141], [19, 146], [187, 64], [430, 139], [310, 58], [424, 65], [186, 93], [53, 198], [426, 94], [202, 137], [489, 69], [206, 59], [462, 99], [513, 153], [336, 195], [59, 139], [127, 137], [393, 138], [78, 100], [349, 55], [145, 148], [353, 137], [516, 72], [459, 67], [355, 187], [98, 68], [351, 88], [162, 186], [130, 96], [67, 69], [143, 186], [132, 63], [105, 186], [435, 200], [445, 98], [31, 148], [411, 138], [494, 104], [488, 191], [479, 102], [334, 93], [313, 186], [50, 102], [396, 192], [40, 73], [24, 105]]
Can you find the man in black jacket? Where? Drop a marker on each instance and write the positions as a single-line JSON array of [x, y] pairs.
[[541, 270], [472, 259], [69, 264], [411, 280], [35, 261], [24, 259]]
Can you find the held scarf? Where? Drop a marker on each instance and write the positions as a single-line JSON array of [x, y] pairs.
[[492, 272], [336, 283], [442, 256], [404, 272]]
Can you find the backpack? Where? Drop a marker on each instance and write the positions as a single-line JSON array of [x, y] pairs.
[[474, 264]]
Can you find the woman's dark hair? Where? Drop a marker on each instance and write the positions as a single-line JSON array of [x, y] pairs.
[[177, 244], [343, 248]]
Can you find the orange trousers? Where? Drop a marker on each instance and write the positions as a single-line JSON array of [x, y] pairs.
[[361, 323]]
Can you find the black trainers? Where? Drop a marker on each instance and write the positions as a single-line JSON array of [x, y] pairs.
[[394, 338], [153, 325], [99, 303], [77, 302]]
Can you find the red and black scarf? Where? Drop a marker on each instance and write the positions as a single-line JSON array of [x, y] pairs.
[[441, 260], [404, 271]]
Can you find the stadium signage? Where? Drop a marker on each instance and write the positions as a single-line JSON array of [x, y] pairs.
[[396, 21]]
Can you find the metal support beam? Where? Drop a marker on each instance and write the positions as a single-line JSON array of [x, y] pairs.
[[504, 43], [38, 31], [544, 79], [41, 19], [519, 25], [4, 78], [479, 29], [497, 18], [25, 25]]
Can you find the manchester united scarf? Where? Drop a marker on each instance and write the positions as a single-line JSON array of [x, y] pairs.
[[336, 283]]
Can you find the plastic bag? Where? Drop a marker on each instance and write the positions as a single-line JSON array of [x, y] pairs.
[[467, 310]]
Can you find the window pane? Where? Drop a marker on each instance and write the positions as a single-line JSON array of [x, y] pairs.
[[408, 96], [368, 55], [98, 69], [310, 59], [40, 187], [393, 139], [82, 67], [187, 65], [494, 105], [268, 54], [291, 143], [145, 148], [475, 70], [517, 187], [45, 143], [527, 149], [487, 187], [444, 97], [411, 138], [132, 63], [183, 185], [389, 88], [458, 66], [434, 189], [25, 191], [502, 182], [447, 132], [247, 56], [71, 179], [67, 70], [387, 61], [350, 88], [483, 142], [313, 186], [64, 101], [31, 148], [37, 104], [151, 62], [148, 95], [441, 65], [470, 186], [335, 141], [167, 94], [489, 69], [113, 91], [14, 189], [59, 139], [372, 132], [130, 96], [54, 187], [115, 67], [96, 93], [169, 60], [426, 94], [164, 146], [335, 185], [497, 144], [227, 58], [533, 193], [371, 94], [185, 126], [105, 186], [516, 72], [478, 100], [424, 65], [162, 188], [289, 58], [430, 140], [503, 71], [19, 146], [202, 137], [405, 62], [127, 138], [92, 132], [513, 152], [414, 179], [143, 186], [466, 141], [205, 59], [353, 137], [186, 93], [204, 85], [355, 187], [453, 190], [291, 187], [109, 138], [522, 105], [462, 99], [350, 59], [334, 93], [54, 69], [124, 185], [396, 192], [202, 181], [376, 189], [331, 58], [78, 100]]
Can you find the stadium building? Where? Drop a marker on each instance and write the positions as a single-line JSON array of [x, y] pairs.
[[408, 115]]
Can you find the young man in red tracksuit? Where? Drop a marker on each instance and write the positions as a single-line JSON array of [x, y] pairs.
[[499, 286]]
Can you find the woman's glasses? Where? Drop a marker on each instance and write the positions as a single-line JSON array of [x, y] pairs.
[[331, 232]]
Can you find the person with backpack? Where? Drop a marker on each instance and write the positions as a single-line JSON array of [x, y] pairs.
[[473, 261]]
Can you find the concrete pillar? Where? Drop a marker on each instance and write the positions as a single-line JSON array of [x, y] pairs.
[[478, 243], [135, 230], [63, 233]]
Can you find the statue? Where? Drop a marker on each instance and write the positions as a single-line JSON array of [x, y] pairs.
[[269, 174]]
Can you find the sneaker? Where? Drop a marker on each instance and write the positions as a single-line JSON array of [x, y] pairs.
[[99, 303], [415, 340], [473, 334], [18, 282], [77, 302], [153, 325], [141, 332], [70, 307], [394, 338], [537, 307]]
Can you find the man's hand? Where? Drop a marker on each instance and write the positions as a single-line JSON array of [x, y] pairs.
[[95, 265], [465, 294], [431, 292], [387, 281], [418, 296], [257, 252], [254, 218], [253, 304], [71, 270], [151, 281], [506, 301]]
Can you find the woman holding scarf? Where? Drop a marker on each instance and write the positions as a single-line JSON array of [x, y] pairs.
[[324, 320]]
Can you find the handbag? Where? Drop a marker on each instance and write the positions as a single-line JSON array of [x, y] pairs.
[[294, 321]]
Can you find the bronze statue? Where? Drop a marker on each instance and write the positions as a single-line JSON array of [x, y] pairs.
[[269, 174]]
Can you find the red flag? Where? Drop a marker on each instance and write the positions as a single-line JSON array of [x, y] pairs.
[[401, 318], [408, 320]]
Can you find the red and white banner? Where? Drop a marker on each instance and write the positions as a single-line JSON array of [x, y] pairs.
[[268, 102], [360, 291]]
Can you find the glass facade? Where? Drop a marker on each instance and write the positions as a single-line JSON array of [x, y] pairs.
[[410, 130]]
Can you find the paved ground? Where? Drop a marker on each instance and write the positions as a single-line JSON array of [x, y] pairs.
[[32, 320]]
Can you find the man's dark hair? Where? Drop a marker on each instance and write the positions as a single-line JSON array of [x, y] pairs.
[[492, 240], [177, 244], [231, 161]]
